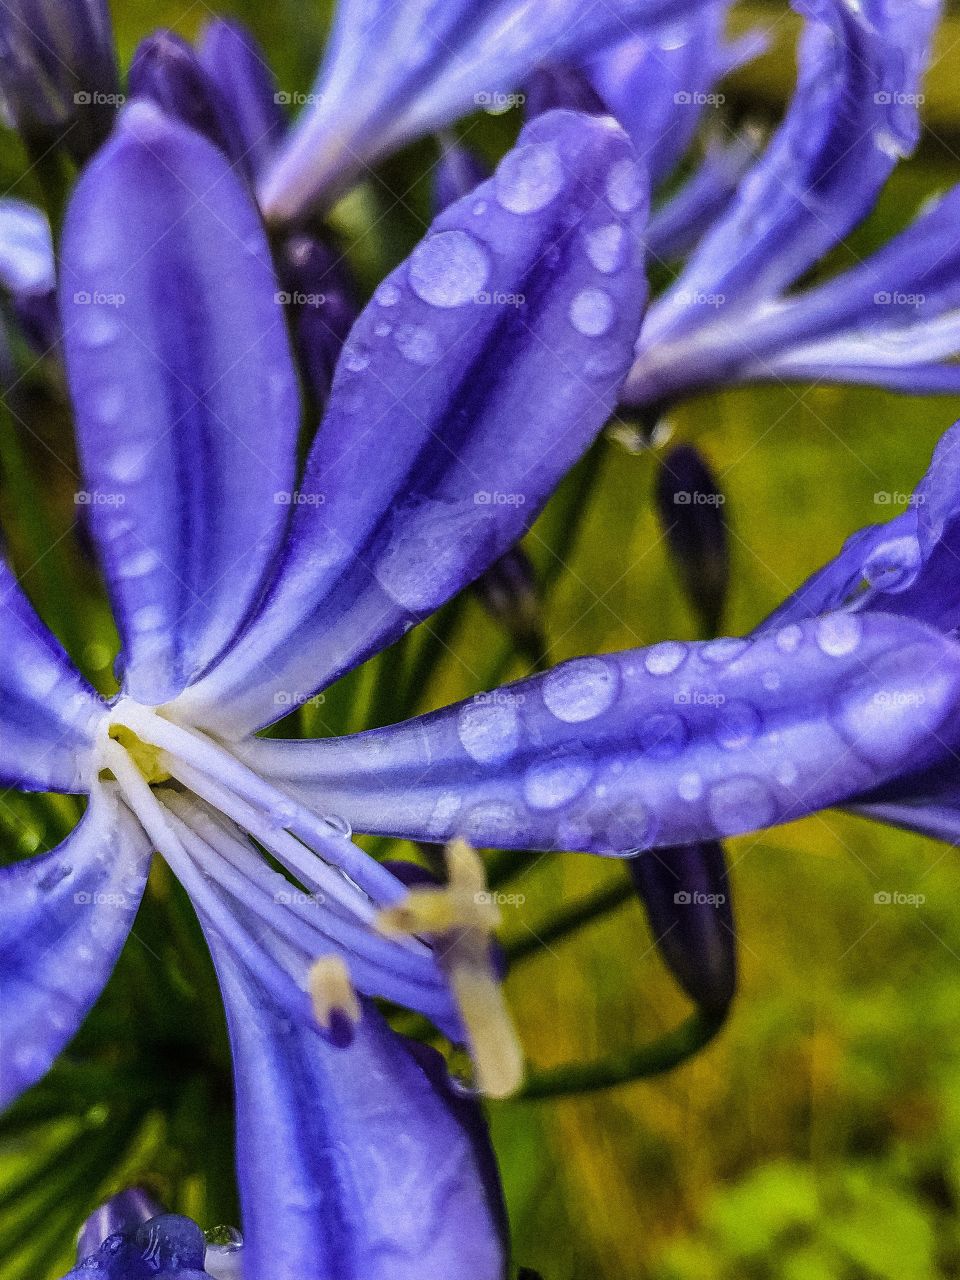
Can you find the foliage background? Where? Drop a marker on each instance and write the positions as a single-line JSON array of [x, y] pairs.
[[819, 1137]]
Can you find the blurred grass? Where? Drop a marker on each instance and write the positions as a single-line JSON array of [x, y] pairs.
[[819, 1137]]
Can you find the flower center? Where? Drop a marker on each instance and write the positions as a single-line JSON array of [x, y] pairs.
[[146, 757]]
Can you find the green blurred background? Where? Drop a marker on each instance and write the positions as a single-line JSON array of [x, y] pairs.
[[818, 1138]]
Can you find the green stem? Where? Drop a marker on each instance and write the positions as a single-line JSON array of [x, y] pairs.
[[570, 919], [660, 1055]]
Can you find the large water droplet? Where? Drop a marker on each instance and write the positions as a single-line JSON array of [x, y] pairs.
[[592, 312], [605, 247], [789, 638], [740, 804], [554, 783], [417, 344], [581, 689], [624, 189], [738, 723], [448, 269], [489, 731], [529, 177], [663, 659], [839, 634]]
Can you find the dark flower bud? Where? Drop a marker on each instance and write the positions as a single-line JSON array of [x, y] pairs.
[[317, 288], [235, 63], [169, 73], [58, 73], [458, 171], [690, 506], [558, 86], [686, 893], [508, 590]]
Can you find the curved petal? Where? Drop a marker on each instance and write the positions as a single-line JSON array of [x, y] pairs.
[[658, 84], [185, 393], [907, 566], [649, 748], [395, 71], [853, 115], [235, 62], [48, 712], [887, 319], [357, 1161], [64, 917], [487, 362]]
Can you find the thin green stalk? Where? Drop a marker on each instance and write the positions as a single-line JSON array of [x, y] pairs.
[[567, 921], [653, 1059]]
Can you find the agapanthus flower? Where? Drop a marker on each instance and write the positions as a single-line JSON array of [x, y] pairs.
[[734, 314], [395, 72], [238, 591], [58, 73]]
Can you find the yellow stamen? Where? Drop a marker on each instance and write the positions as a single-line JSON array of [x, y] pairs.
[[460, 917], [148, 759], [331, 991]]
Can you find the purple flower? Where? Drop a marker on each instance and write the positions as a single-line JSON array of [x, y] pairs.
[[58, 74], [733, 315], [396, 71], [239, 590], [131, 1238]]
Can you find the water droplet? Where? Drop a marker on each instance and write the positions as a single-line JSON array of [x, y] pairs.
[[628, 827], [140, 564], [581, 689], [487, 824], [740, 804], [771, 680], [98, 327], [786, 773], [690, 786], [893, 566], [129, 465], [149, 618], [838, 634], [624, 189], [663, 659], [738, 723], [226, 1237], [489, 731], [354, 359], [388, 295], [448, 269], [605, 246], [109, 402], [592, 312], [479, 209], [417, 344], [662, 737], [554, 783], [529, 177], [382, 330], [789, 638], [722, 651], [339, 824]]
